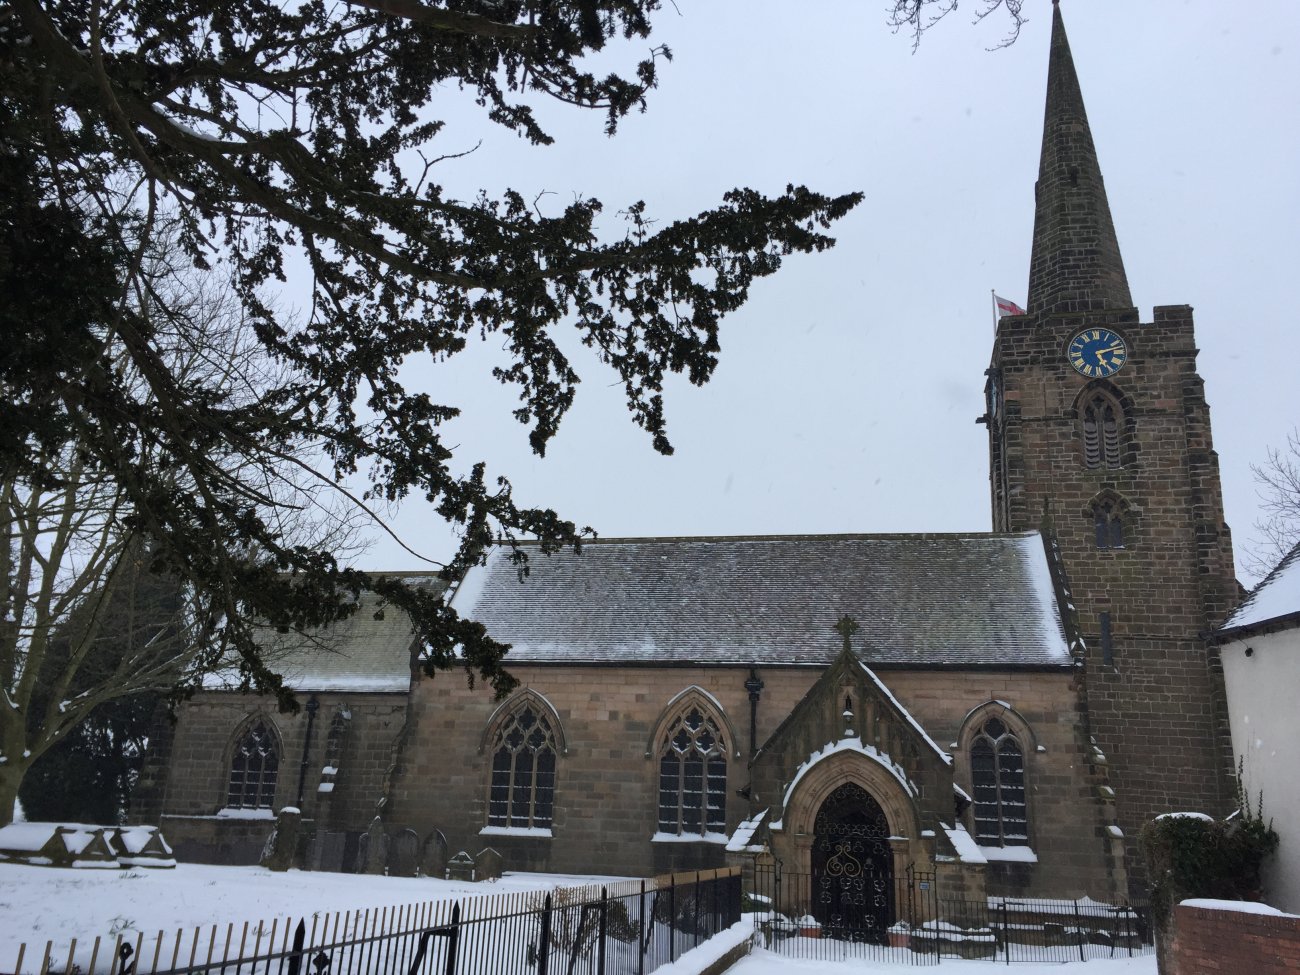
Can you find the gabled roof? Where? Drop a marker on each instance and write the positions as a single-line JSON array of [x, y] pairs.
[[921, 600], [370, 651], [1273, 600]]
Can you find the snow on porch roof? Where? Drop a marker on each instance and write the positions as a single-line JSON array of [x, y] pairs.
[[927, 600]]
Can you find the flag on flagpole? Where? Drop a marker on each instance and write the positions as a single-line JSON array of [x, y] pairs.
[[1007, 307]]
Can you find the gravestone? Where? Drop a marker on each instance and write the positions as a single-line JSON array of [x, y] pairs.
[[376, 848], [433, 859], [460, 867], [329, 851], [403, 857], [280, 846], [488, 864]]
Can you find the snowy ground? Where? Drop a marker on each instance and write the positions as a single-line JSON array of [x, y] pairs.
[[762, 962], [40, 904]]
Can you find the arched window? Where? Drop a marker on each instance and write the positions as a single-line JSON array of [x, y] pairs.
[[1100, 418], [254, 768], [523, 771], [693, 776], [997, 763], [1108, 524]]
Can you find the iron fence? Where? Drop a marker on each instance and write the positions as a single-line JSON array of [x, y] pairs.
[[868, 918], [910, 922], [630, 928]]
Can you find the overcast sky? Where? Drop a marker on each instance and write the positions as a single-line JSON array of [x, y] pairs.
[[849, 384]]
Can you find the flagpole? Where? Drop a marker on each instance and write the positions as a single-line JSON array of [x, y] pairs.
[[993, 299]]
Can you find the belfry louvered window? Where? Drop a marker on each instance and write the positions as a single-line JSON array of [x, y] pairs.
[[997, 764], [693, 776], [254, 768], [523, 772], [1101, 417]]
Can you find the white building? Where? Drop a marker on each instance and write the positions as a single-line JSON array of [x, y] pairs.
[[1260, 646]]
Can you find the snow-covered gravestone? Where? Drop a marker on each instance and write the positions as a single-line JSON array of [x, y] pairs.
[[460, 867]]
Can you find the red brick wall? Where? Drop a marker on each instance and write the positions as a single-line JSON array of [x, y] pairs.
[[1206, 940]]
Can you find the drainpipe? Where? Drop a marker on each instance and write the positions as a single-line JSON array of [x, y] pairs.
[[313, 706], [755, 687]]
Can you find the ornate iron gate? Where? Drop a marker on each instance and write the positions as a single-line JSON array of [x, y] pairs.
[[853, 867]]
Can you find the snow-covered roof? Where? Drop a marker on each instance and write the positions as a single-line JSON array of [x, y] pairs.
[[742, 840], [851, 743], [370, 651], [929, 600], [1277, 597]]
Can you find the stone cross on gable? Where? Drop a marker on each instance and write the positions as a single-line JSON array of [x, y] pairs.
[[846, 628]]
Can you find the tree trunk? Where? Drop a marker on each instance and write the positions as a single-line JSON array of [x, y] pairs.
[[11, 776]]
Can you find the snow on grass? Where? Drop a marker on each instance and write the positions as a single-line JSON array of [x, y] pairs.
[[40, 904], [764, 962]]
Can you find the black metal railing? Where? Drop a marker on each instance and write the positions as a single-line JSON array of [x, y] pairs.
[[629, 928], [911, 922]]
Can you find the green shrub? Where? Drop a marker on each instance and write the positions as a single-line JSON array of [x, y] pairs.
[[1189, 856]]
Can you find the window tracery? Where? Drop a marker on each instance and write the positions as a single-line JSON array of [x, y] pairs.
[[522, 791], [693, 776], [997, 762], [254, 768]]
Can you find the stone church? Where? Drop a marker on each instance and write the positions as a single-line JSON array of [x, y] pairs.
[[1003, 710]]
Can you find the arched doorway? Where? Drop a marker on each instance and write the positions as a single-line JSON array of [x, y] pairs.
[[852, 867]]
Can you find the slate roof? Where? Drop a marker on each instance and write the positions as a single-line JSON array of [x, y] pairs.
[[920, 600], [1275, 599], [360, 654]]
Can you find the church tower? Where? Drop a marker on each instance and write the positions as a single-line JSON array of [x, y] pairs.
[[1099, 431]]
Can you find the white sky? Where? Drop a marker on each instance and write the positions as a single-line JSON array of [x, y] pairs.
[[849, 384]]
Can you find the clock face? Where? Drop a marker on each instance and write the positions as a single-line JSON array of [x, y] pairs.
[[1097, 353]]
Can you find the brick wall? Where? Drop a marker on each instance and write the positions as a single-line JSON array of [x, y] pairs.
[[1208, 940]]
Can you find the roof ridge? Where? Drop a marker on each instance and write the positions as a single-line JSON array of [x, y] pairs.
[[811, 537]]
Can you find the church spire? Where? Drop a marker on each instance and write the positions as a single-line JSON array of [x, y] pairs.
[[1076, 264]]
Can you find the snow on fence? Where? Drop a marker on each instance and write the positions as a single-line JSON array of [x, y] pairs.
[[630, 928]]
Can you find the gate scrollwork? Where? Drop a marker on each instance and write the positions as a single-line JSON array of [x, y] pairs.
[[852, 867]]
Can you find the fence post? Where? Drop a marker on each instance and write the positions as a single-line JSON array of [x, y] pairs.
[[299, 935], [695, 905], [453, 939], [641, 939], [600, 947], [672, 917], [1078, 927], [544, 939], [777, 903], [1128, 923], [1006, 931]]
